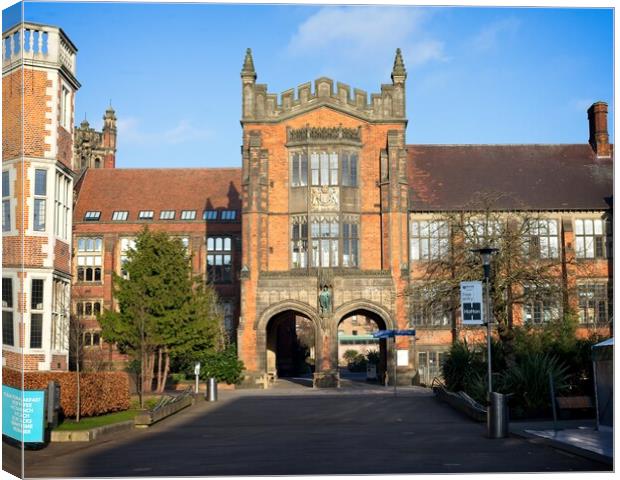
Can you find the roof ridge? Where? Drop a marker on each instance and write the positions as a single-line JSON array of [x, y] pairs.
[[498, 144]]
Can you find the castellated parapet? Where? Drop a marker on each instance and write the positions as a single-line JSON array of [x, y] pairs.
[[261, 106]]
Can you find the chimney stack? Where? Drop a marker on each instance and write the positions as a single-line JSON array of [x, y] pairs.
[[599, 136]]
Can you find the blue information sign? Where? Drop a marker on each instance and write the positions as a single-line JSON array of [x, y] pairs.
[[393, 333], [23, 413]]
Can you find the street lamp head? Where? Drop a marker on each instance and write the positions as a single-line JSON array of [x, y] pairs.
[[485, 254]]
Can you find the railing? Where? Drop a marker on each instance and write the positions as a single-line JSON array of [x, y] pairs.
[[37, 43], [170, 399], [461, 401]]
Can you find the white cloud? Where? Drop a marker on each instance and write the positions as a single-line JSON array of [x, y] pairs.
[[366, 33], [130, 131], [490, 36]]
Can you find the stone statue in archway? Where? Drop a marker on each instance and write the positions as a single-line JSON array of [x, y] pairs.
[[325, 300]]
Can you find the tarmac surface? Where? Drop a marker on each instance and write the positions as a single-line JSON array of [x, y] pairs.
[[294, 430]]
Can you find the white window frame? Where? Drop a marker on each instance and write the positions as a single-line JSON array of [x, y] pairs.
[[589, 231], [40, 199], [167, 214], [188, 214], [145, 215], [429, 239], [119, 215], [92, 216], [62, 206], [6, 202], [87, 257]]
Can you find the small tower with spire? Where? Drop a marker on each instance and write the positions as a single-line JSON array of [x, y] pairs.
[[93, 149], [248, 82], [109, 138]]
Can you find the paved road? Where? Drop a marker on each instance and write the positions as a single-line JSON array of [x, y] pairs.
[[294, 430]]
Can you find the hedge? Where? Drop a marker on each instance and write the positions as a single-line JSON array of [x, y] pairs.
[[100, 392]]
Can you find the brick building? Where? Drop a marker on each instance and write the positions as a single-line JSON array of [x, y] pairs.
[[328, 219], [38, 92]]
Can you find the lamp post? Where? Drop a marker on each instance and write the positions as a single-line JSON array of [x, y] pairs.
[[485, 255]]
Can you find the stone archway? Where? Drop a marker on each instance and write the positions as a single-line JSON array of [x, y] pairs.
[[381, 318], [278, 336]]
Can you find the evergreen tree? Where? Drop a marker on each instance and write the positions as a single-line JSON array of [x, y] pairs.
[[163, 312]]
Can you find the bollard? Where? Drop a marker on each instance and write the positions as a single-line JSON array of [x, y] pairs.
[[497, 416], [211, 390]]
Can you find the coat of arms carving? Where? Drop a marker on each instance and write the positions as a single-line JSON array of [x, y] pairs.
[[324, 198]]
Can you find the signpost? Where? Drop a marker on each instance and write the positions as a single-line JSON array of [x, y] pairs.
[[471, 303], [393, 334], [197, 373]]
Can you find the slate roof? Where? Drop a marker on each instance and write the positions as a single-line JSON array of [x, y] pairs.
[[532, 177], [132, 190]]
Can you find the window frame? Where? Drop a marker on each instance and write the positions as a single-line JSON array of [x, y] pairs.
[[62, 206], [539, 249], [188, 214], [546, 305], [601, 242], [92, 216], [39, 313], [145, 215], [220, 273], [209, 215], [435, 234], [8, 312], [120, 215], [7, 224], [167, 214], [82, 266], [606, 298], [39, 202]]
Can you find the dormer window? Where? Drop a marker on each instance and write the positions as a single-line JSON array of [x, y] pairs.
[[188, 214], [166, 215], [145, 215], [229, 214], [92, 216], [209, 215], [120, 216]]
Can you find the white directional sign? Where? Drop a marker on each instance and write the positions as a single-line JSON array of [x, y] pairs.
[[471, 303]]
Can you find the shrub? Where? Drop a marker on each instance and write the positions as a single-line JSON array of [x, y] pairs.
[[528, 380], [224, 365], [462, 366], [373, 357], [358, 364], [350, 355], [100, 392]]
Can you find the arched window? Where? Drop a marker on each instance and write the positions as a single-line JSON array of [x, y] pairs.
[[97, 163]]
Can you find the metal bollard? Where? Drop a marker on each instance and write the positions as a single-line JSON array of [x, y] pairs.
[[211, 390], [497, 416]]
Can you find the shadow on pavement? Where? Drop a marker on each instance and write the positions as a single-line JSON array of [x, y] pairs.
[[315, 433]]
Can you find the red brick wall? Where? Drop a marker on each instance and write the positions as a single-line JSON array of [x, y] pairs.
[[62, 256]]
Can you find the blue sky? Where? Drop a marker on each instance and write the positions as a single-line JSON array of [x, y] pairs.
[[475, 75]]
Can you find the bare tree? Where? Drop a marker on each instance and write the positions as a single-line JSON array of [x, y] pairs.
[[529, 267]]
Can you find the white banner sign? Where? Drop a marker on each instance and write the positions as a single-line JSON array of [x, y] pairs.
[[471, 303]]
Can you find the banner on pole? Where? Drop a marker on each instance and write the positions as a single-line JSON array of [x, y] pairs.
[[471, 303]]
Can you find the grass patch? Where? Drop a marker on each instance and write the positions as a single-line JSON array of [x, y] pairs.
[[87, 423]]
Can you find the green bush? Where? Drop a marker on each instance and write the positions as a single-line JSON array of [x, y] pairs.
[[224, 365], [463, 365], [528, 381], [350, 355], [373, 357], [358, 364]]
